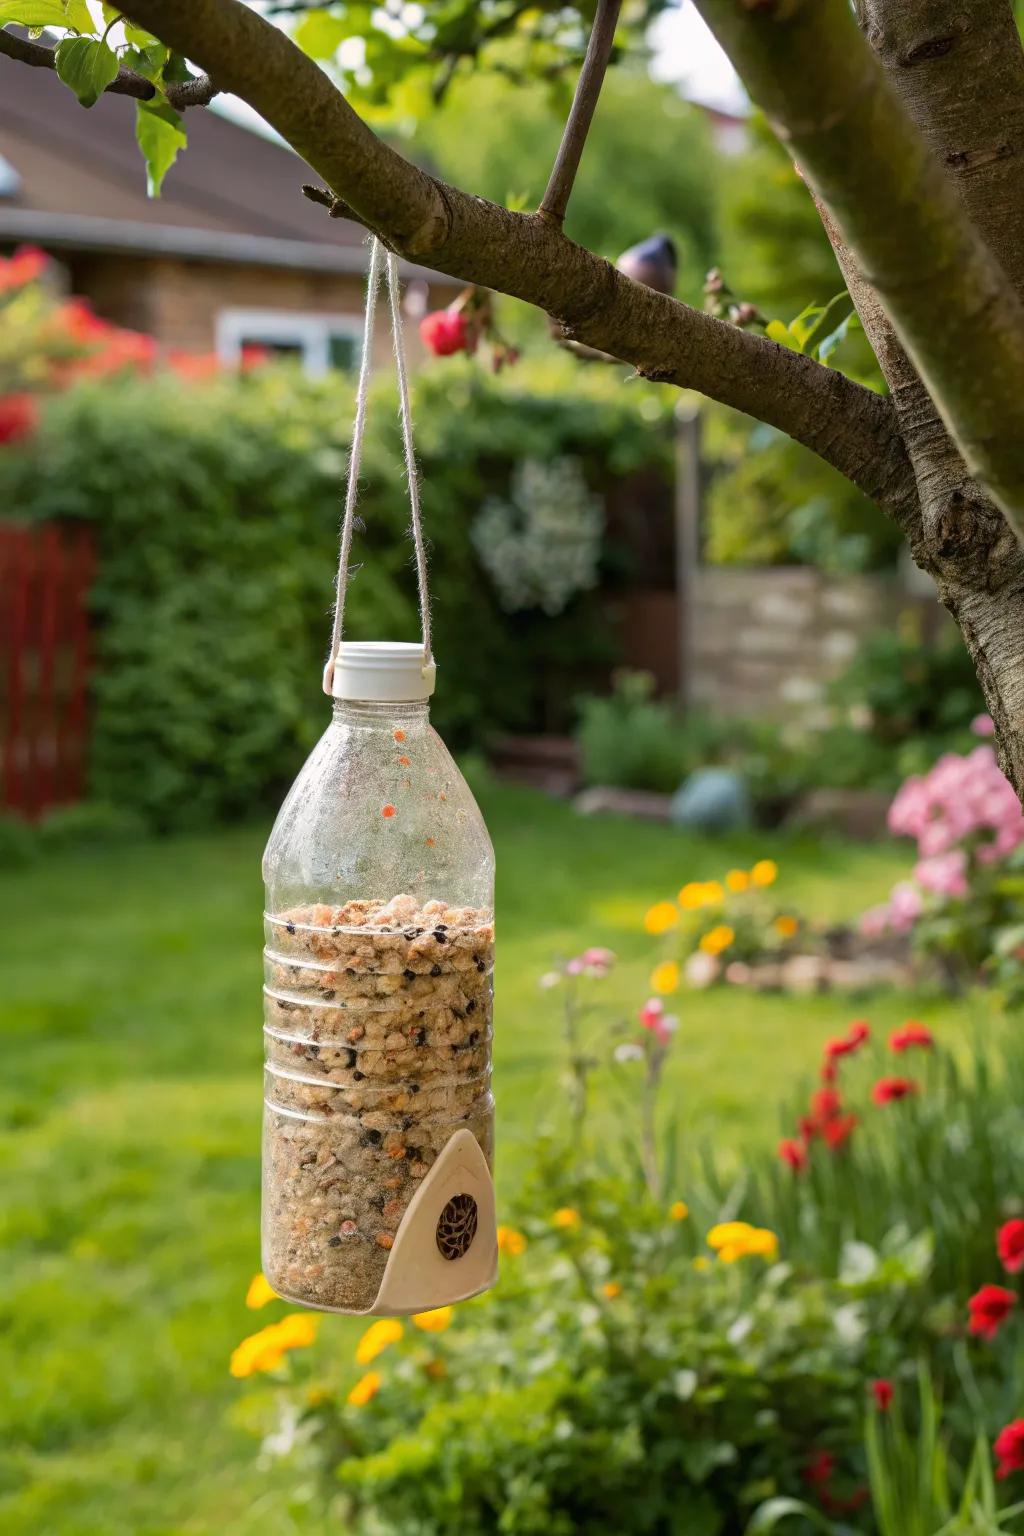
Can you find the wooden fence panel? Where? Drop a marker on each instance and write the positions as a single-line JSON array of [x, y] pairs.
[[45, 576]]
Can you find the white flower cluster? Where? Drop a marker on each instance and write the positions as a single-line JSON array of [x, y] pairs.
[[541, 546]]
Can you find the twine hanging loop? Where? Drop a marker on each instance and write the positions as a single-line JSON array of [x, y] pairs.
[[380, 258]]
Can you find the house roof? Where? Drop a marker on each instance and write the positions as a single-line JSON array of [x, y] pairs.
[[76, 180]]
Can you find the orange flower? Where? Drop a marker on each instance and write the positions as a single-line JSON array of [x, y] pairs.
[[511, 1242], [737, 881], [365, 1388], [611, 1289], [679, 1210], [566, 1218], [785, 926]]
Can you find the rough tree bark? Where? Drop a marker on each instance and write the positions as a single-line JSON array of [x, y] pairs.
[[909, 131]]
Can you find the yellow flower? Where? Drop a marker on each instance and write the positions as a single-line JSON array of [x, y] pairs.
[[259, 1293], [691, 897], [737, 881], [661, 917], [738, 1240], [679, 1210], [665, 977], [566, 1217], [611, 1289], [511, 1242], [296, 1330], [366, 1387], [785, 926], [764, 872], [713, 893], [701, 1263], [716, 939], [387, 1330], [435, 1321], [264, 1350]]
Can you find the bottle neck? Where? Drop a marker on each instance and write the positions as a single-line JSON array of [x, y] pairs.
[[400, 716]]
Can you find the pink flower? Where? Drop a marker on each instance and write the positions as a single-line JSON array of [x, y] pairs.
[[983, 725], [945, 874], [661, 1024], [702, 969], [905, 906]]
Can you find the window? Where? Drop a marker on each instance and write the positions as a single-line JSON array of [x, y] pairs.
[[320, 342]]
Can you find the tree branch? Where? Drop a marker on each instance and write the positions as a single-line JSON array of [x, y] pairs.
[[581, 114], [527, 256], [180, 94], [806, 63]]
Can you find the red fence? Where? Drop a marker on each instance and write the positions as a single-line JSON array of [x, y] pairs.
[[45, 574]]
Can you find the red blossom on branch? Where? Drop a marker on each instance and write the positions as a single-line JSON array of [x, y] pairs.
[[445, 332], [1009, 1449], [1010, 1245], [887, 1089], [909, 1035], [989, 1308]]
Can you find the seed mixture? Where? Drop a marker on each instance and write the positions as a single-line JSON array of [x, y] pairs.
[[377, 1023]]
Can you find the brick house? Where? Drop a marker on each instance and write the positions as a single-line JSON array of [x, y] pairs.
[[231, 254]]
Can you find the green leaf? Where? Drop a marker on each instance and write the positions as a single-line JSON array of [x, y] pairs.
[[147, 62], [320, 35], [87, 65], [769, 1515], [47, 13], [160, 136], [777, 330]]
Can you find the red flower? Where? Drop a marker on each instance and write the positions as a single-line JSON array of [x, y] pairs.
[[825, 1105], [1010, 1245], [819, 1469], [838, 1131], [910, 1035], [19, 415], [1009, 1449], [882, 1391], [989, 1308], [27, 263], [829, 1072], [444, 332], [794, 1153], [841, 1045], [858, 1032], [889, 1088]]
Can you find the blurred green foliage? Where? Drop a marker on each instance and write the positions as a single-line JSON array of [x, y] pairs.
[[216, 512]]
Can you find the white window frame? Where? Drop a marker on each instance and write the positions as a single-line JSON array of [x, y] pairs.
[[309, 331]]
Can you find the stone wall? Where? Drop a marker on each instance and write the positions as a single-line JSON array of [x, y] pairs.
[[767, 641]]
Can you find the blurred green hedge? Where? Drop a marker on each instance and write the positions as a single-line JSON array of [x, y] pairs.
[[216, 508]]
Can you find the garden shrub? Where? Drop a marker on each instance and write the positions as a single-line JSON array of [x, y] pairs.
[[216, 510]]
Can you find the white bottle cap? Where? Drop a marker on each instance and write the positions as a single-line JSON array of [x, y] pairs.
[[382, 671]]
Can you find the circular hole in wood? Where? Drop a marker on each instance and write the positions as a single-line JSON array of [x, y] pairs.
[[456, 1227]]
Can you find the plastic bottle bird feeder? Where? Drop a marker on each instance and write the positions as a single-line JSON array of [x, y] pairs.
[[379, 1120]]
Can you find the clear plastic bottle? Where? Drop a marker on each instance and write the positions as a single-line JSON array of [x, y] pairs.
[[377, 1009]]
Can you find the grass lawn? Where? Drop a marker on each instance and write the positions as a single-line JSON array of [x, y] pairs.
[[130, 1102]]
